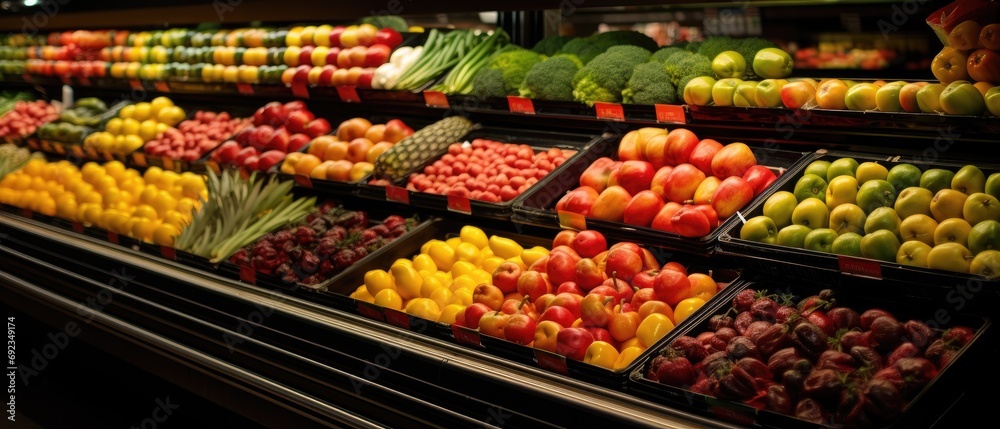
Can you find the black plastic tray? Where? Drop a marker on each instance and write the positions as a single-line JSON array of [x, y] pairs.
[[538, 206], [915, 283], [931, 402], [538, 140]]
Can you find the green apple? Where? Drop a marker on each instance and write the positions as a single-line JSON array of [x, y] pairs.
[[760, 229], [929, 98], [768, 93], [724, 90], [848, 218], [842, 166], [887, 97], [772, 63], [819, 167], [882, 245], [793, 236], [883, 218], [936, 179], [903, 176], [953, 230], [861, 97], [729, 64], [913, 253], [993, 100], [986, 264], [870, 170], [961, 98], [698, 91], [810, 186], [913, 200], [950, 257], [874, 194], [984, 235], [811, 212], [744, 96], [841, 190], [820, 240], [993, 185], [847, 244], [969, 180], [979, 207], [779, 208]]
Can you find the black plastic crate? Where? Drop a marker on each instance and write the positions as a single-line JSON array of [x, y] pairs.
[[932, 401]]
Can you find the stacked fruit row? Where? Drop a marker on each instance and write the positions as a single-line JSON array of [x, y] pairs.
[[134, 126], [349, 155], [275, 130], [933, 218], [75, 122], [25, 118]]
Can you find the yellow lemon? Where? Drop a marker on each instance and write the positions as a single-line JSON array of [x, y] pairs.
[[143, 111], [466, 251], [481, 276], [143, 228], [114, 220], [130, 126], [175, 218], [126, 112], [425, 248], [453, 242], [147, 129], [378, 280], [152, 174], [389, 298], [443, 296], [442, 254], [490, 264], [163, 202], [460, 268], [361, 294], [449, 312], [157, 104], [430, 285], [464, 281], [407, 279], [474, 235], [463, 296], [146, 211], [171, 115], [424, 262], [165, 233], [423, 307]]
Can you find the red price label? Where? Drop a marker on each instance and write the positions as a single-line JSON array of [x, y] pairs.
[[670, 113], [370, 311], [467, 336], [169, 164], [77, 227], [135, 84], [113, 237], [26, 213], [551, 361], [168, 252], [572, 220], [139, 159], [398, 318], [612, 111], [26, 77], [161, 86], [84, 81], [397, 194], [436, 99], [300, 90], [348, 93], [248, 274], [860, 267], [459, 204], [244, 88], [732, 412], [303, 181], [520, 105]]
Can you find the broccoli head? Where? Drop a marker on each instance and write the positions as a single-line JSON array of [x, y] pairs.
[[748, 49], [551, 79], [548, 46], [591, 46], [604, 77], [575, 46], [714, 45], [684, 64], [665, 52], [649, 84], [512, 64]]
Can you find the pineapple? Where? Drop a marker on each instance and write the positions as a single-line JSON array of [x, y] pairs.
[[420, 147]]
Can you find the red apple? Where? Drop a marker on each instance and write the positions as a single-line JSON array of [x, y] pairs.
[[570, 287], [561, 267], [635, 176], [506, 276], [623, 290], [269, 159], [493, 323], [643, 295], [710, 214], [732, 194], [474, 312], [610, 204], [573, 342], [570, 301], [226, 152], [542, 302], [244, 153], [984, 65], [260, 136], [682, 182], [376, 55], [588, 274], [600, 334], [558, 314], [396, 130], [579, 200], [659, 183], [597, 310], [623, 264], [662, 220], [489, 295], [642, 208], [589, 243], [644, 279], [733, 159], [297, 120], [532, 284], [656, 147], [759, 177], [279, 139], [649, 261], [520, 329], [672, 287], [690, 222], [317, 127], [297, 141], [596, 175], [546, 334], [703, 154], [564, 237], [680, 143], [796, 94]]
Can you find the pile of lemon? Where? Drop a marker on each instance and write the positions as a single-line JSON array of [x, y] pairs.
[[153, 206], [135, 125], [437, 283]]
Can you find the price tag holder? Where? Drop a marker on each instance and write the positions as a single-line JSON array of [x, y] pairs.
[[397, 194], [248, 274], [520, 105], [436, 99], [139, 158], [612, 111], [77, 227], [459, 204], [135, 84], [161, 86], [26, 213], [732, 411], [670, 113], [113, 237], [551, 361], [169, 164], [300, 90], [370, 311], [466, 336], [348, 93], [572, 220], [860, 267], [397, 318], [168, 252], [303, 181], [244, 88]]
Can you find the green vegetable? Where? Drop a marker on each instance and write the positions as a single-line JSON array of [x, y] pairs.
[[12, 158], [441, 52], [661, 55], [588, 48], [551, 79], [747, 47], [604, 77], [685, 64], [513, 64], [459, 79], [649, 84], [550, 45]]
